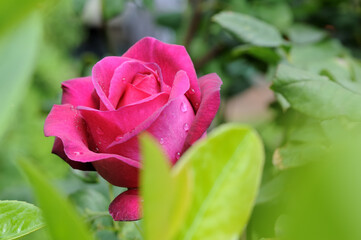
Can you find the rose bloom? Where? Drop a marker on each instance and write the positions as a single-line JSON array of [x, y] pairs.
[[153, 87]]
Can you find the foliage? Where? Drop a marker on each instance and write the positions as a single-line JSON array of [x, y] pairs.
[[307, 51], [18, 219]]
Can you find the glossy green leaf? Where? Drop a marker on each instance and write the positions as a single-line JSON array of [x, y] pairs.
[[17, 59], [18, 219], [316, 95], [304, 34], [60, 216], [227, 169], [166, 194], [249, 29]]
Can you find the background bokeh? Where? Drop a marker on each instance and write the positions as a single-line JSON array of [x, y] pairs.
[[46, 42]]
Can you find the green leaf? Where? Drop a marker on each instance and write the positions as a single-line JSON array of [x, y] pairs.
[[166, 194], [294, 155], [356, 70], [90, 199], [262, 53], [270, 11], [112, 8], [306, 55], [17, 59], [13, 12], [249, 29], [60, 216], [227, 168], [304, 34], [18, 219], [316, 96]]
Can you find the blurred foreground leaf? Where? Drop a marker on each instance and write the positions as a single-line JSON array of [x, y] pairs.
[[17, 59], [316, 96], [250, 29], [12, 12], [60, 216], [227, 168], [18, 219], [166, 194]]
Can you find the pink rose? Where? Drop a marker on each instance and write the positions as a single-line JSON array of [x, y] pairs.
[[153, 87]]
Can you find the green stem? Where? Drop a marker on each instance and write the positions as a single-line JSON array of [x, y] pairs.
[[111, 196]]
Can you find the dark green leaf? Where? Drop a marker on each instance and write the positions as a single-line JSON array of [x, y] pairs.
[[262, 53]]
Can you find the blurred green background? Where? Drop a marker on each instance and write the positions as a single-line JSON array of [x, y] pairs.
[[312, 169]]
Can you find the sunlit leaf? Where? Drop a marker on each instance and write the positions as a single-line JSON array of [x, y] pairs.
[[166, 194], [227, 168], [18, 219], [13, 12]]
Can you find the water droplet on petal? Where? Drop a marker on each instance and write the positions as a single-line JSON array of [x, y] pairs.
[[118, 138], [177, 156], [192, 91], [186, 127], [97, 149], [183, 107], [78, 153], [161, 141], [123, 79], [197, 104], [99, 131]]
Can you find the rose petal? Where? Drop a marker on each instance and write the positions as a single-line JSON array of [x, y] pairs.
[[172, 126], [127, 146], [102, 74], [170, 58], [148, 83], [107, 127], [65, 122], [210, 86], [126, 206], [58, 149], [180, 86], [132, 95], [79, 92], [123, 75]]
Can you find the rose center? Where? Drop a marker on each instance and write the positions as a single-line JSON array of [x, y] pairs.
[[142, 85]]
